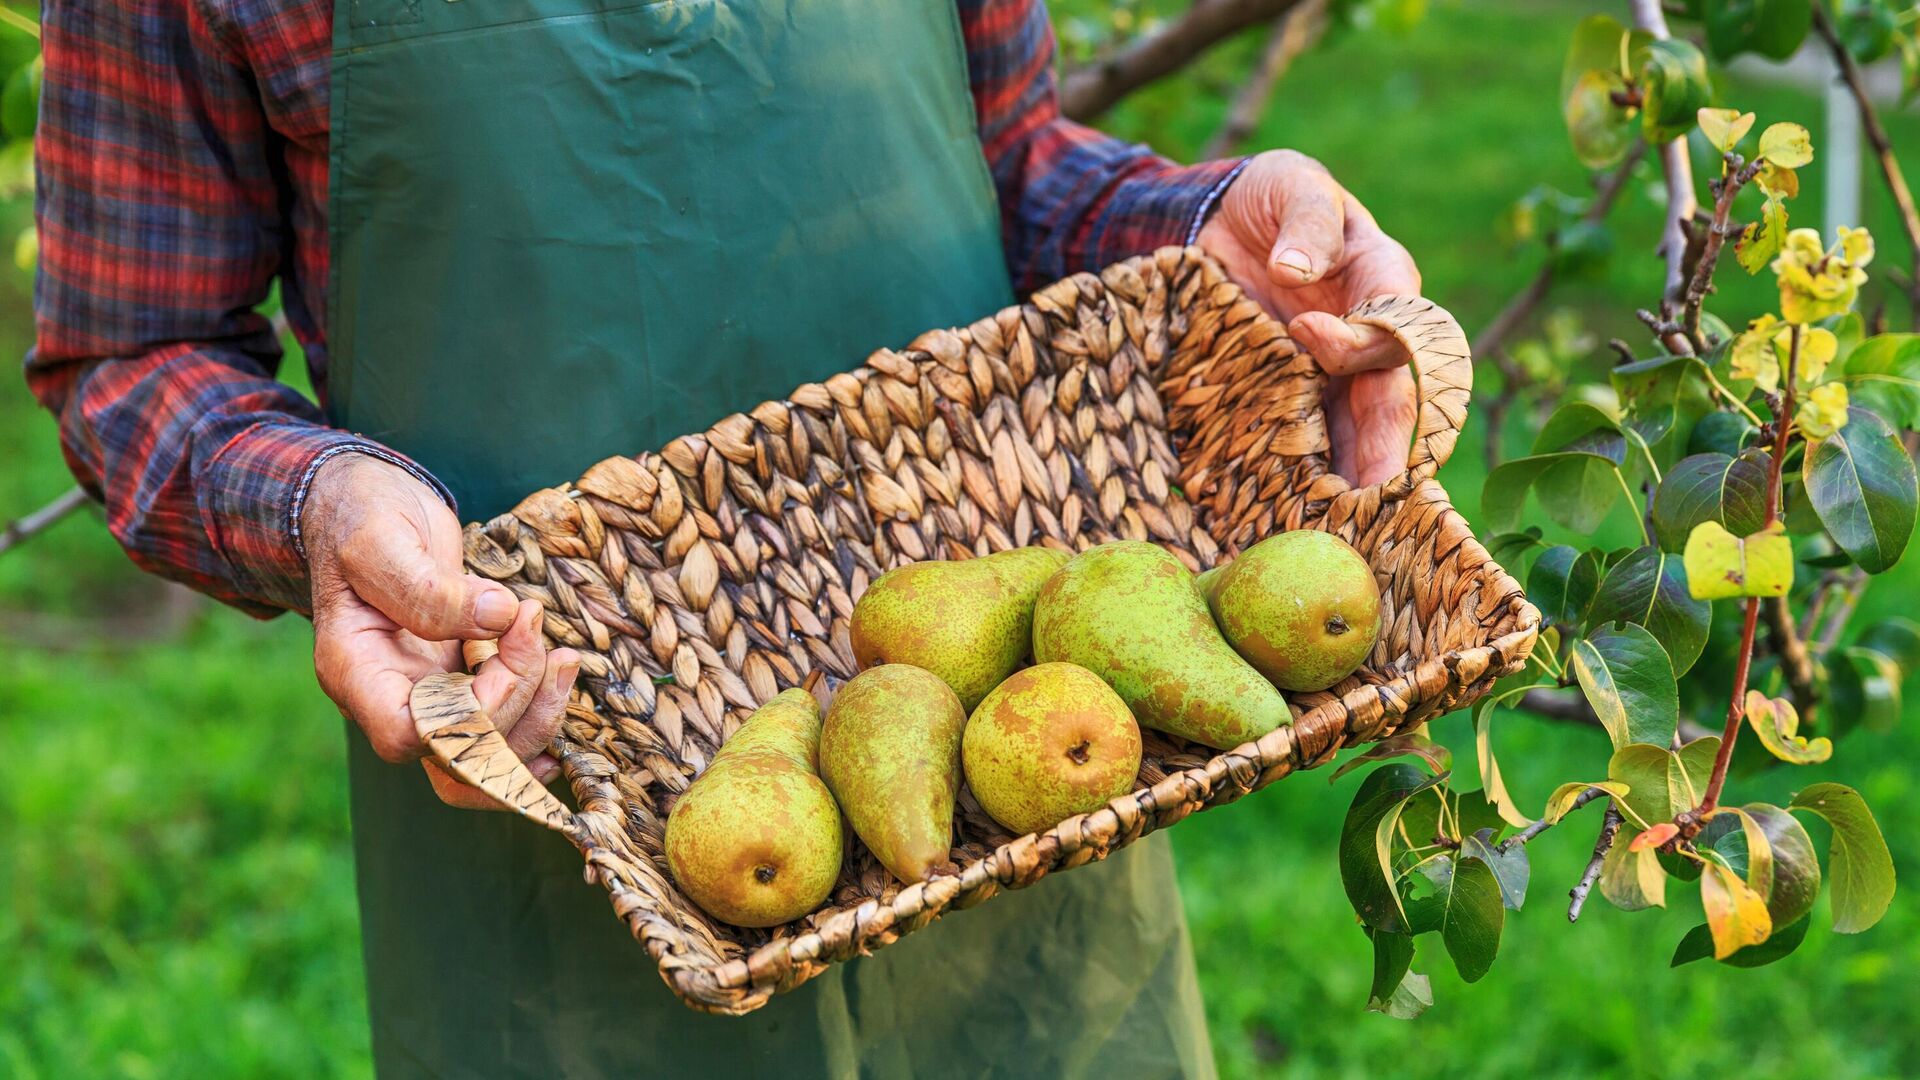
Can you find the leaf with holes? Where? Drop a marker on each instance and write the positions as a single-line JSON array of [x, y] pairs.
[[1649, 588], [1777, 723], [1862, 484], [1858, 861], [1710, 487], [1628, 680]]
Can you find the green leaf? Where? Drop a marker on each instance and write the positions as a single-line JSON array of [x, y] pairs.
[[1786, 145], [1675, 81], [1504, 494], [1392, 962], [1472, 813], [1772, 28], [1723, 433], [1632, 880], [1414, 743], [1862, 484], [1883, 376], [1792, 876], [1897, 638], [1661, 783], [1866, 28], [1581, 425], [1721, 566], [1467, 911], [1648, 389], [1863, 690], [1777, 723], [20, 101], [1510, 549], [1628, 680], [1509, 866], [1710, 487], [1562, 583], [1649, 588], [1595, 45], [1600, 129], [1858, 861], [1366, 857]]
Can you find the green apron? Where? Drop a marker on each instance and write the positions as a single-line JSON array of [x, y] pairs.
[[564, 229]]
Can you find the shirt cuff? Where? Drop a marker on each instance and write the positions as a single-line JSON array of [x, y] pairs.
[[251, 496], [1158, 206]]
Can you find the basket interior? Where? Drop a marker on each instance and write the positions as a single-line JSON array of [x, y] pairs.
[[1155, 402]]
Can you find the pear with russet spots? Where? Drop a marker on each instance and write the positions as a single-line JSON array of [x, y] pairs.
[[890, 752], [1302, 607], [1050, 742], [755, 840], [968, 621]]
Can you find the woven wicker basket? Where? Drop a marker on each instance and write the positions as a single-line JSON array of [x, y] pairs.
[[1155, 401]]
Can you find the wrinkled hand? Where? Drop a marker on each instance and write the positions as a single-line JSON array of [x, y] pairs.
[[1297, 242], [390, 605]]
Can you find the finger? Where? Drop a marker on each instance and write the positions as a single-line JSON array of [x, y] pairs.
[[534, 730], [464, 796], [1384, 411], [1311, 240], [1345, 348], [378, 700], [1377, 264], [505, 683], [430, 597]]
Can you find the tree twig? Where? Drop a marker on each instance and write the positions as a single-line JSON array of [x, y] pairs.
[[1796, 663], [1691, 821], [1538, 827], [1609, 828], [1293, 33], [1088, 91], [18, 532], [1677, 168], [1877, 138]]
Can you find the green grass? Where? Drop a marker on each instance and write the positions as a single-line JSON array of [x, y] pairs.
[[177, 883]]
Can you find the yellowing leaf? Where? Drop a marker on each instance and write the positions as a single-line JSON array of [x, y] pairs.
[[1856, 246], [1754, 357], [1633, 880], [1762, 240], [1786, 145], [1560, 803], [1777, 723], [1736, 915], [1817, 349], [1824, 411], [1721, 565], [1654, 837], [1724, 128], [1778, 182]]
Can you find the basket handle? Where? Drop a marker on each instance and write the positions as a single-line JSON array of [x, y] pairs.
[[1443, 366], [460, 735]]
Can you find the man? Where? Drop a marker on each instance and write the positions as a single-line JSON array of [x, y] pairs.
[[514, 237]]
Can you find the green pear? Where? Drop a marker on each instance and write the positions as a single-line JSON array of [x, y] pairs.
[[1207, 580], [890, 752], [1050, 742], [970, 621], [1128, 611], [1302, 607], [755, 840]]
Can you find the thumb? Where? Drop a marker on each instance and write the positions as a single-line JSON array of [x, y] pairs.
[[1311, 240], [429, 597]]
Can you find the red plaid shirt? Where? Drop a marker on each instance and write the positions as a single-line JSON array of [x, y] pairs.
[[183, 171]]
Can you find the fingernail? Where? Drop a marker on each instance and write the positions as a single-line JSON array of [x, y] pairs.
[[495, 609], [545, 769], [564, 677], [1295, 260]]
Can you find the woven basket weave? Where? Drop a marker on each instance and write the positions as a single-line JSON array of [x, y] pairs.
[[1153, 402]]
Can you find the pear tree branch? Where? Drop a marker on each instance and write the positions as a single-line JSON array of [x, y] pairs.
[[1293, 33], [1088, 91], [22, 530]]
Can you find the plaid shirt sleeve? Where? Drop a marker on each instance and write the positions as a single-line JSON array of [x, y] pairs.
[[160, 211], [1071, 198]]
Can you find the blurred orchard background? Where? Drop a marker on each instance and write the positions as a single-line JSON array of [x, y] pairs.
[[176, 891]]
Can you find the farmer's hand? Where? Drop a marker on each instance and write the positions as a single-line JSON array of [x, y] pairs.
[[391, 604], [1297, 242]]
